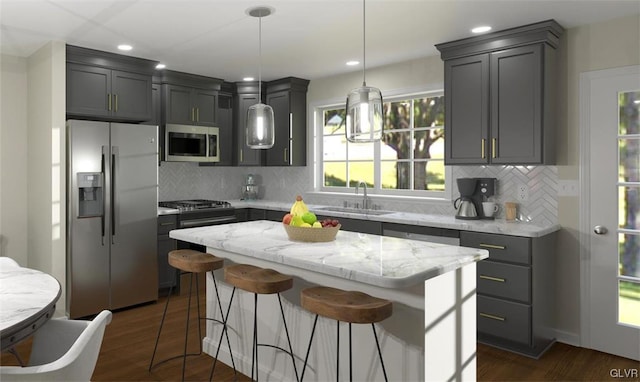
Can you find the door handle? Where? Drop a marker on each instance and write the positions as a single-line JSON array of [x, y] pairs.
[[600, 230], [114, 165], [102, 225]]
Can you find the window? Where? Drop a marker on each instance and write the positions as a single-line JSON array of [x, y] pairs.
[[408, 161]]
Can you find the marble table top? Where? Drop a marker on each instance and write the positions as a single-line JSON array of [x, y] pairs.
[[377, 260], [25, 294]]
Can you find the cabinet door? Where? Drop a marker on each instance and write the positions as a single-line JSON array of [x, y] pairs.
[[516, 105], [280, 153], [245, 156], [131, 96], [88, 91], [204, 102], [224, 121], [177, 105], [467, 110]]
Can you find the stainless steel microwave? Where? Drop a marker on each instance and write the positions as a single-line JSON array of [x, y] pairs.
[[184, 143]]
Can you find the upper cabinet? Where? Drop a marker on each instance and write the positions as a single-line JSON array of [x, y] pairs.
[[288, 98], [246, 96], [500, 94], [106, 86], [189, 99]]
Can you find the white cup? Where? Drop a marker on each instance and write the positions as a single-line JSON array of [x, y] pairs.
[[489, 208]]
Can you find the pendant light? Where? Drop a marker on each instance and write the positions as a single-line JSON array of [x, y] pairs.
[[260, 128], [364, 104]]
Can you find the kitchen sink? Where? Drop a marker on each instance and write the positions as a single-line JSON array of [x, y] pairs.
[[352, 210]]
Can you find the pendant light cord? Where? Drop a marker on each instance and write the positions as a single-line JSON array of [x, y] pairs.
[[260, 58], [364, 43]]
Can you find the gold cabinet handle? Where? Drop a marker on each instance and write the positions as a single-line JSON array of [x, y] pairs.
[[197, 114], [115, 98], [193, 114], [491, 316], [167, 223], [491, 278], [482, 141], [494, 143], [241, 155], [492, 246], [109, 100], [285, 154]]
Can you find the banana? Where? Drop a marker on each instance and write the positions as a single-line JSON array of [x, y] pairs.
[[298, 208]]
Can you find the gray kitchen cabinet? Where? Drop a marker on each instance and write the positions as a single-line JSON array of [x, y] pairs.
[[107, 94], [422, 233], [167, 275], [500, 94], [224, 121], [246, 96], [356, 225], [189, 99], [288, 98], [242, 214], [515, 288], [107, 86]]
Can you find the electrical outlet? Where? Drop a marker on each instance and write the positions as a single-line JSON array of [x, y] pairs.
[[523, 192]]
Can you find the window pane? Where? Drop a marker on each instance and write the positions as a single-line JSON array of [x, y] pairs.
[[429, 144], [396, 145], [397, 115], [396, 175], [334, 147], [428, 112], [629, 259], [629, 207], [628, 104], [629, 168], [360, 171], [333, 121], [629, 303], [335, 174], [429, 178], [361, 151]]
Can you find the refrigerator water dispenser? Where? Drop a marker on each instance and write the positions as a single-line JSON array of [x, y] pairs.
[[90, 194]]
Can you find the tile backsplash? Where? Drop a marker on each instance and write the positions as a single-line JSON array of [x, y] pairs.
[[186, 180]]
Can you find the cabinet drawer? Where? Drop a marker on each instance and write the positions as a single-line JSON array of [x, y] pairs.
[[505, 280], [166, 223], [501, 247], [504, 319]]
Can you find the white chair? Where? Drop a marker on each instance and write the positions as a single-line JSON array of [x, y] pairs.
[[63, 350]]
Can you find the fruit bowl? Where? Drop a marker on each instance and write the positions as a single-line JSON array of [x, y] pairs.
[[310, 234]]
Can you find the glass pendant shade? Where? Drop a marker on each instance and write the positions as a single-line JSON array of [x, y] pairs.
[[364, 115], [260, 127]]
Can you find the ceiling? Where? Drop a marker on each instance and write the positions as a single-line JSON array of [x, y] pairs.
[[303, 38]]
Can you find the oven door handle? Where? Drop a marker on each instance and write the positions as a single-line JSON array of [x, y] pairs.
[[207, 221]]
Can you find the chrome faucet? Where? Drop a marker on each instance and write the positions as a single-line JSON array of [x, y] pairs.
[[365, 198]]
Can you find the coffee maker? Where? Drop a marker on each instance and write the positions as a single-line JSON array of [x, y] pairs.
[[473, 191], [250, 188]]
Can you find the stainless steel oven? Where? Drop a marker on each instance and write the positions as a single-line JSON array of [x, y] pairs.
[[184, 143]]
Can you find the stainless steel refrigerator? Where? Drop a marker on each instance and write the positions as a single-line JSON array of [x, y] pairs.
[[112, 204]]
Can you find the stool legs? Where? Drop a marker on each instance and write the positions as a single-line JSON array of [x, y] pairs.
[[313, 330], [224, 331]]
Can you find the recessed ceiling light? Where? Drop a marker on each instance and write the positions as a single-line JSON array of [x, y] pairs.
[[161, 66], [352, 63], [125, 47], [248, 79], [481, 29]]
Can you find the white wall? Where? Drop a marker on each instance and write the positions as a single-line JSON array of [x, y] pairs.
[[13, 158]]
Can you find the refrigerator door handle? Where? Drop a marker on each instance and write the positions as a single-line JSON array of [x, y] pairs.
[[102, 217], [114, 165]]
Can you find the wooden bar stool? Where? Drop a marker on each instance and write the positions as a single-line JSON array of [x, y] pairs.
[[351, 307], [257, 281], [191, 262]]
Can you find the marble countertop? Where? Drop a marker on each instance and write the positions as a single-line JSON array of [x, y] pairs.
[[498, 226], [377, 260]]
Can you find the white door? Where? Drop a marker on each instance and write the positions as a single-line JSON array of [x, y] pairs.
[[611, 268]]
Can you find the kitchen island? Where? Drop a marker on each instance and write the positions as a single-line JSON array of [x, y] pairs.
[[431, 335]]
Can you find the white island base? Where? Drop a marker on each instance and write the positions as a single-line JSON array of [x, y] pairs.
[[431, 335]]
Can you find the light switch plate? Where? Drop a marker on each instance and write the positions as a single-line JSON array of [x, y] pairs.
[[568, 187]]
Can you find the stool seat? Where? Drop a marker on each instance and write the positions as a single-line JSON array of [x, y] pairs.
[[257, 280], [188, 260], [347, 306]]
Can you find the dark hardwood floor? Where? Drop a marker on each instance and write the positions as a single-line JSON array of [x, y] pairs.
[[129, 339]]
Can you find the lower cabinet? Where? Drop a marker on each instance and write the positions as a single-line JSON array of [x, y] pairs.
[[166, 273], [515, 287]]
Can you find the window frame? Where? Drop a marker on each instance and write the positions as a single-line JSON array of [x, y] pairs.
[[317, 122]]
